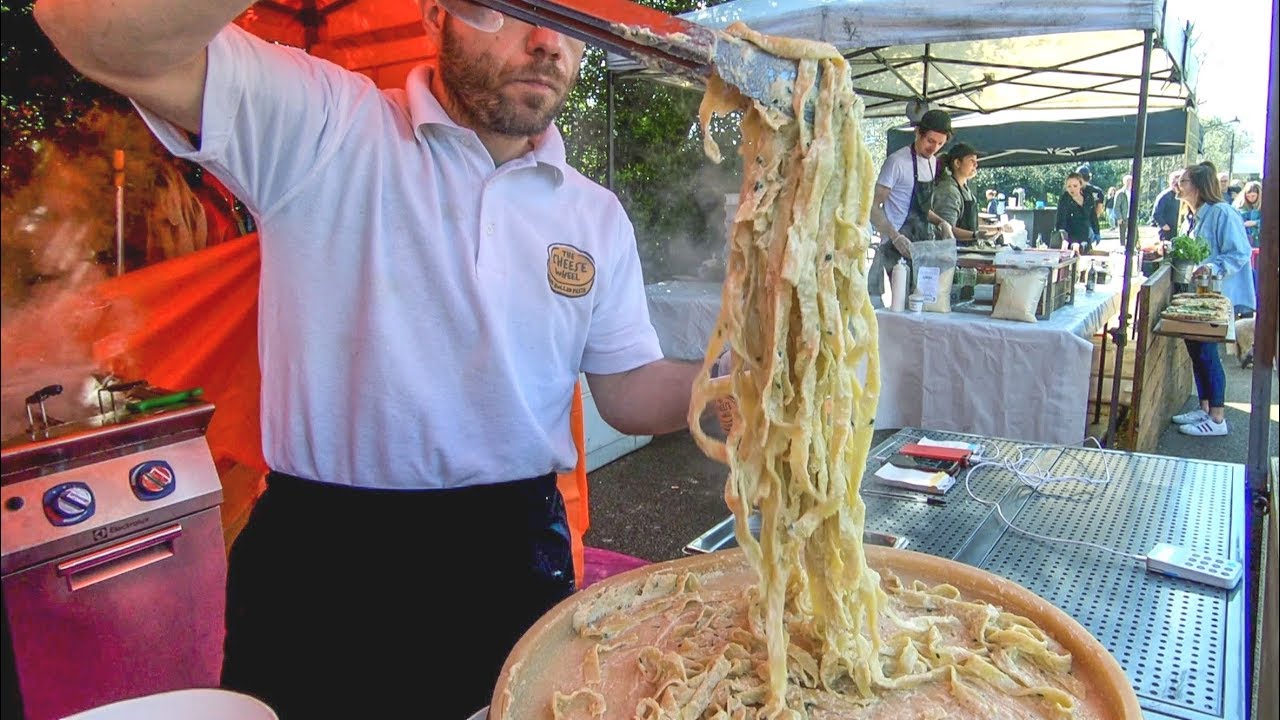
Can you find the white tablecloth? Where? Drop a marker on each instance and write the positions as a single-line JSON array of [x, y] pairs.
[[683, 312], [954, 371], [1000, 378]]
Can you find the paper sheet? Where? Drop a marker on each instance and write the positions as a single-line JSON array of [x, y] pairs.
[[936, 483]]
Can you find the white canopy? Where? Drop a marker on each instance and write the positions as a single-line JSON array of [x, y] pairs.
[[982, 55]]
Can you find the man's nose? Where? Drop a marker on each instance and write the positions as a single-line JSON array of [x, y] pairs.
[[550, 42]]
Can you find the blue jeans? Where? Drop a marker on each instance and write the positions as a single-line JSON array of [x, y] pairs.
[[1206, 367]]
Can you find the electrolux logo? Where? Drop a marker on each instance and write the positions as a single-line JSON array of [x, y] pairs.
[[126, 525]]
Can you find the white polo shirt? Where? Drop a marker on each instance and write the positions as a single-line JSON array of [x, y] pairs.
[[895, 174], [423, 315]]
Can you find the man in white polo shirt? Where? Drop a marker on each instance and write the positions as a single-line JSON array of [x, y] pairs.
[[434, 278]]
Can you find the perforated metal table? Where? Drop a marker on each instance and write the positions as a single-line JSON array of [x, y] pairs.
[[1181, 643]]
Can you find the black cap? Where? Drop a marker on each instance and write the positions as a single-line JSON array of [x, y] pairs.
[[935, 120], [960, 150], [1084, 171]]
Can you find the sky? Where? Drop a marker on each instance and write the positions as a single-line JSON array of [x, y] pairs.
[[1233, 40]]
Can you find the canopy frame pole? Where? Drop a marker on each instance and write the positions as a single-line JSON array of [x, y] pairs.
[[1265, 323], [1260, 602], [608, 128], [893, 70], [1131, 234]]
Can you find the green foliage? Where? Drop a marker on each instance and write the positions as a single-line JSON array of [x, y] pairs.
[[1189, 250], [41, 97], [673, 194], [1221, 141]]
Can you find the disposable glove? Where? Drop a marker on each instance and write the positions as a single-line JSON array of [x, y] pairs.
[[726, 405]]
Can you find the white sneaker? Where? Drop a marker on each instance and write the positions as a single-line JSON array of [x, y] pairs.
[[1191, 416], [1208, 428]]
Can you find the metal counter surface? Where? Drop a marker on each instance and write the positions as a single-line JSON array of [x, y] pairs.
[[1181, 643]]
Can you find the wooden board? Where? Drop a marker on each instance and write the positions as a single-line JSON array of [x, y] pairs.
[[1162, 381], [1202, 331]]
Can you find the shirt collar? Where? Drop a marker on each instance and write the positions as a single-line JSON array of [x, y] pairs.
[[426, 113]]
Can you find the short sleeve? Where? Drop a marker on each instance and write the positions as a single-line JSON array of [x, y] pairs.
[[621, 336], [891, 172], [947, 202], [270, 117]]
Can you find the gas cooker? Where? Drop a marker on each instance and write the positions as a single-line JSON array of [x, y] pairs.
[[111, 552], [67, 486]]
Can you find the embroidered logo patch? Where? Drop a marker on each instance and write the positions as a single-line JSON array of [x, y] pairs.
[[570, 271]]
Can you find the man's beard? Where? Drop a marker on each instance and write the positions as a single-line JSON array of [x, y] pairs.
[[474, 82]]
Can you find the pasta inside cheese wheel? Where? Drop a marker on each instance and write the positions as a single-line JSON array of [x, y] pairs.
[[820, 631]]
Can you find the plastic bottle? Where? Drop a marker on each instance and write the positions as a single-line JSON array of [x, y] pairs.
[[898, 283], [1091, 279]]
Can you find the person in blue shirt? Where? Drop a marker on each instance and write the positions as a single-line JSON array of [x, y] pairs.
[[1249, 204], [1220, 225]]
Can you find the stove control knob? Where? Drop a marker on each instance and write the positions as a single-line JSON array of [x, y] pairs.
[[152, 480], [68, 503]]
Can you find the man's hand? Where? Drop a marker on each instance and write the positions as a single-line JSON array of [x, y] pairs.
[[902, 244], [945, 231], [726, 405]]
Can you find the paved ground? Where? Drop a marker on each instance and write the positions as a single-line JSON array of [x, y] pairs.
[[1233, 447]]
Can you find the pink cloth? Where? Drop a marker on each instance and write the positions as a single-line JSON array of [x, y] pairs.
[[601, 563]]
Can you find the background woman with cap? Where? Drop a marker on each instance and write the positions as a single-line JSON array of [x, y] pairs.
[[952, 199]]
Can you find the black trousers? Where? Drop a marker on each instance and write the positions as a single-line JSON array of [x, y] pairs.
[[354, 603]]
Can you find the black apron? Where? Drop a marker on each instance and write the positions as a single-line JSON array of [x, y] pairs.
[[968, 219], [917, 225]]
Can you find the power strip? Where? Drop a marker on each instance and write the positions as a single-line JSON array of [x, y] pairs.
[[1182, 563]]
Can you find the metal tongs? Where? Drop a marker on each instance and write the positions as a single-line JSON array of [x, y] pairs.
[[676, 46]]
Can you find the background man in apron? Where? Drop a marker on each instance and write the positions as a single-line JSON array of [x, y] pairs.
[[900, 210]]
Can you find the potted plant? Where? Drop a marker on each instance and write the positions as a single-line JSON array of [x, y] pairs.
[[1187, 252]]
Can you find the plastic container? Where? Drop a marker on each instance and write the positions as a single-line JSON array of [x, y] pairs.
[[915, 303], [898, 283]]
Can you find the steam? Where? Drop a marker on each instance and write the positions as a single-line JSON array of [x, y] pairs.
[[56, 239], [695, 250]]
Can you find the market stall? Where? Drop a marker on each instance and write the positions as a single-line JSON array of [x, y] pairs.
[[962, 371], [1034, 137], [988, 56], [970, 373]]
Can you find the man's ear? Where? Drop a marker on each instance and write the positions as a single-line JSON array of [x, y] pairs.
[[432, 17]]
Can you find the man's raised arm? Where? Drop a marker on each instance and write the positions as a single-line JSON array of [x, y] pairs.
[[152, 51]]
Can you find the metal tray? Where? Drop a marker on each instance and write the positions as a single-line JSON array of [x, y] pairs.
[[720, 537]]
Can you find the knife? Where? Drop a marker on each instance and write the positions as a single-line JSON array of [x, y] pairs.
[[928, 500], [674, 45]]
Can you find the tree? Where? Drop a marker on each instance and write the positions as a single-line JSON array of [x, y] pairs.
[[42, 99]]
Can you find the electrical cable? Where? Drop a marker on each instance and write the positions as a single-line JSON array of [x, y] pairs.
[[1025, 467]]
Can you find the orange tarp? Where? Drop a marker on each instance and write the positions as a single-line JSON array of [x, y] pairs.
[[193, 322]]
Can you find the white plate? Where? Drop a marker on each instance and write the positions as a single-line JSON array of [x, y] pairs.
[[192, 704]]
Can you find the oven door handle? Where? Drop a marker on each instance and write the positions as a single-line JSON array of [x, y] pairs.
[[120, 558]]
